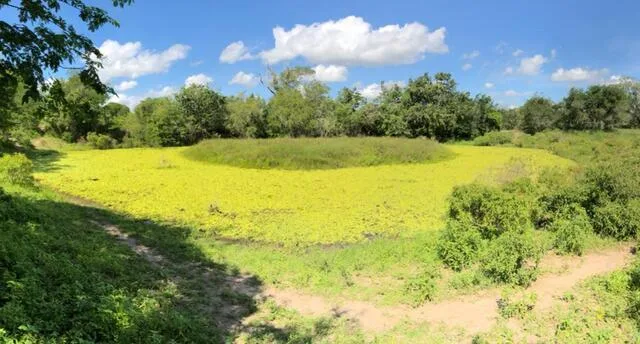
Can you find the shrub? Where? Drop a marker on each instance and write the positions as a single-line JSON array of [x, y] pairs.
[[494, 138], [510, 306], [100, 141], [490, 209], [423, 287], [617, 220], [512, 258], [556, 202], [16, 169], [571, 230], [458, 244], [617, 181]]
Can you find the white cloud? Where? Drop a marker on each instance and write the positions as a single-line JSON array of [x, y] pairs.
[[235, 52], [247, 80], [352, 41], [133, 101], [501, 47], [489, 85], [578, 74], [467, 66], [472, 55], [196, 63], [508, 71], [330, 73], [198, 79], [372, 91], [512, 93], [518, 52], [532, 65], [129, 60], [126, 85]]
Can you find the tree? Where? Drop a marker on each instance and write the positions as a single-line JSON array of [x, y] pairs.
[[290, 114], [607, 106], [41, 39], [573, 111], [74, 109], [247, 117], [205, 112], [538, 114]]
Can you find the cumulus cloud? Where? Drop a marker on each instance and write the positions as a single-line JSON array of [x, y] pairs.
[[133, 100], [372, 91], [353, 41], [467, 66], [518, 52], [578, 74], [489, 85], [330, 73], [247, 80], [472, 55], [532, 65], [235, 52], [126, 85], [198, 79], [131, 61]]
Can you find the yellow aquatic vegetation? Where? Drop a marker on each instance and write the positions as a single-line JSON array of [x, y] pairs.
[[284, 206]]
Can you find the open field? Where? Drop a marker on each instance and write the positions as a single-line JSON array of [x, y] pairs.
[[278, 206]]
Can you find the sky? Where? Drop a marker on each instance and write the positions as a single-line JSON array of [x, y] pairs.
[[507, 49]]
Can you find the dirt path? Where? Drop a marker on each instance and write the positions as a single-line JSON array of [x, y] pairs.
[[474, 313]]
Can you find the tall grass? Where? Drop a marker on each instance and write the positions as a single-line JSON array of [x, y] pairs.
[[317, 153]]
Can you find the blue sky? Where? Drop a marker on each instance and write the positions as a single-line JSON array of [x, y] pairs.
[[513, 49]]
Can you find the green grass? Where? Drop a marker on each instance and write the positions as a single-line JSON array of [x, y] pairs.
[[317, 153]]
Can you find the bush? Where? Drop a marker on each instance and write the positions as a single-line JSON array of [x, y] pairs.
[[617, 220], [617, 181], [512, 258], [571, 230], [510, 306], [423, 287], [490, 209], [494, 138], [100, 141], [16, 169], [459, 244]]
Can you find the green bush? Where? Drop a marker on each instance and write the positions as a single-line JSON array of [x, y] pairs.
[[459, 244], [617, 181], [571, 230], [100, 141], [511, 305], [16, 169], [617, 220], [423, 287], [494, 138], [512, 258], [490, 209]]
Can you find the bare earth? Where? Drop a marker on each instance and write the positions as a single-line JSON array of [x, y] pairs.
[[473, 313]]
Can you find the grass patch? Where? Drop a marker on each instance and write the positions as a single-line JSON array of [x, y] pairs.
[[317, 153]]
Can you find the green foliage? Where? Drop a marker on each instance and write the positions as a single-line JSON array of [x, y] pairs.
[[100, 141], [316, 153], [16, 169], [247, 117], [459, 244], [494, 138], [491, 210], [538, 114], [516, 305], [512, 258], [423, 287], [571, 230], [617, 220], [40, 39], [205, 114]]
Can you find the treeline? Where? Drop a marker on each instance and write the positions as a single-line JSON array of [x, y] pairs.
[[428, 106], [599, 107]]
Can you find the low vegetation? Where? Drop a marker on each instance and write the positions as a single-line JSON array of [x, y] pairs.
[[317, 153], [277, 206]]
